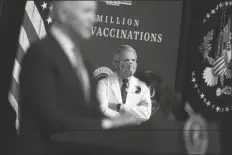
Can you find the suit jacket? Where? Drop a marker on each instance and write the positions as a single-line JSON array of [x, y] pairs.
[[52, 99], [138, 102]]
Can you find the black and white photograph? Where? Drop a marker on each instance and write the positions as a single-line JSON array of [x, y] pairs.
[[116, 77]]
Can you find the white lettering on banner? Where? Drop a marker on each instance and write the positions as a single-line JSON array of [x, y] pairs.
[[127, 34], [117, 20], [134, 34]]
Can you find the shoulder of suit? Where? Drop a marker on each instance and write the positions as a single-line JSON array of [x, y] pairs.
[[35, 49], [38, 44], [43, 47]]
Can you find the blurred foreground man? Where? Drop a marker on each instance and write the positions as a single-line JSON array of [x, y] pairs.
[[122, 96], [57, 93]]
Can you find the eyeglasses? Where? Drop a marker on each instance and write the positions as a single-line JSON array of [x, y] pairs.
[[127, 60]]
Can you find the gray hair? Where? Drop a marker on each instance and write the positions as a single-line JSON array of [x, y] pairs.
[[123, 48]]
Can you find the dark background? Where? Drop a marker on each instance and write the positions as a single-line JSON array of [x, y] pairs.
[[166, 141]]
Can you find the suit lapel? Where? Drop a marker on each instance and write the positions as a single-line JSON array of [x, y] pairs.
[[116, 88]]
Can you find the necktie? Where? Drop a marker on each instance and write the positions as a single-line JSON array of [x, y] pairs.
[[123, 90], [82, 74]]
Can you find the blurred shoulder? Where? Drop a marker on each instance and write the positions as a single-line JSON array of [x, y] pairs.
[[43, 48]]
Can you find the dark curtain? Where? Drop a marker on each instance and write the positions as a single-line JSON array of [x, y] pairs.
[[182, 57]]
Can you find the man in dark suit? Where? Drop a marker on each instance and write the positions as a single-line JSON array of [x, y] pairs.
[[57, 92]]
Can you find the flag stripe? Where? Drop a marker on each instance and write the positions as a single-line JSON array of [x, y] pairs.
[[20, 54], [219, 61], [218, 68], [224, 71], [23, 39], [13, 102], [14, 89], [16, 71], [29, 29], [220, 72], [35, 18]]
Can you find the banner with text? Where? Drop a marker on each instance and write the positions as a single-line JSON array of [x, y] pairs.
[[152, 28]]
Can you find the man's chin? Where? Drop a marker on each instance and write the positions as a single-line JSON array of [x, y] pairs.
[[129, 74]]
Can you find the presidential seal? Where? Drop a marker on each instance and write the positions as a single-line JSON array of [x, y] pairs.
[[196, 135], [102, 72], [216, 53]]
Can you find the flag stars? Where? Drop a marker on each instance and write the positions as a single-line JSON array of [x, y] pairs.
[[202, 95], [44, 5], [194, 80], [204, 99], [220, 5], [49, 20], [213, 11], [226, 3], [195, 86], [193, 73], [204, 21], [230, 2], [212, 106], [207, 15]]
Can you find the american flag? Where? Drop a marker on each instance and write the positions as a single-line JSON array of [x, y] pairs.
[[35, 23]]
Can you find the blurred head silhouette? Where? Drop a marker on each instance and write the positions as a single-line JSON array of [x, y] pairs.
[[75, 17]]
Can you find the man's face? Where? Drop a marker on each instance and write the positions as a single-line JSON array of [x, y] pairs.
[[82, 17], [128, 63]]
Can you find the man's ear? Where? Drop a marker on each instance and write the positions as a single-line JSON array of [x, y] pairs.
[[115, 64]]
